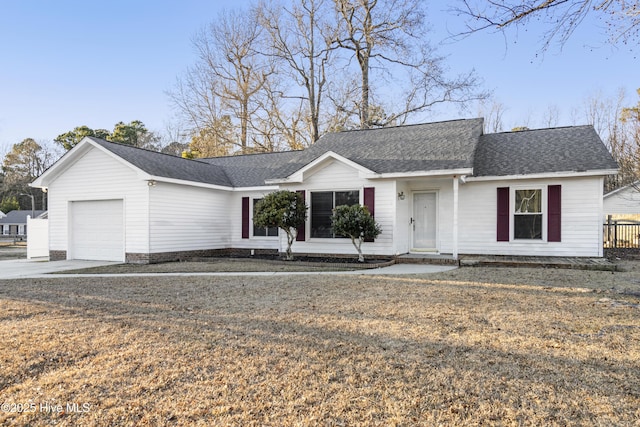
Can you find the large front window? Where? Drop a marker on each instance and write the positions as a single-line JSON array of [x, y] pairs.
[[322, 205], [527, 218]]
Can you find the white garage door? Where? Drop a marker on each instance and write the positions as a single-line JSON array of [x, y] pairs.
[[97, 230]]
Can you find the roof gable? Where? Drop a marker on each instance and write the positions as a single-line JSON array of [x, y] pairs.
[[319, 163]]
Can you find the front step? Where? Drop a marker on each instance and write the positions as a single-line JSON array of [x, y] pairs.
[[436, 259]]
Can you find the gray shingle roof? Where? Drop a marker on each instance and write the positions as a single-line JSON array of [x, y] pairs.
[[425, 147], [166, 165], [19, 216], [254, 169], [567, 149], [457, 144]]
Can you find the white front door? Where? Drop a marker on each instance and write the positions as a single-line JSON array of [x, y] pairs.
[[425, 221]]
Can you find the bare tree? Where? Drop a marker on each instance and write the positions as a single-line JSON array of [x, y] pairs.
[[301, 38], [199, 106], [389, 36], [609, 118], [283, 125], [492, 115], [227, 79], [212, 141], [621, 17], [229, 49], [551, 117]]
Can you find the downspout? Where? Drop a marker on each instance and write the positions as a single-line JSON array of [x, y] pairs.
[[455, 217]]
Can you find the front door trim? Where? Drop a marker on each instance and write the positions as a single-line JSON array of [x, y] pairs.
[[415, 223]]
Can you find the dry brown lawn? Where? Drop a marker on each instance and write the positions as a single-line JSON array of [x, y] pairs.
[[474, 346]]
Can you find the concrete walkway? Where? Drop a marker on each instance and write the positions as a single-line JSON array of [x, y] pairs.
[[22, 268]]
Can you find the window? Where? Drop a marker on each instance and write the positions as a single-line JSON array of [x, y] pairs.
[[262, 231], [527, 218], [322, 205]]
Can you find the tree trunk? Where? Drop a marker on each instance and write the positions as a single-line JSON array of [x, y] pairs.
[[358, 248], [291, 236]]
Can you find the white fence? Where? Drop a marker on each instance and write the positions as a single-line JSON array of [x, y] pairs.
[[38, 238]]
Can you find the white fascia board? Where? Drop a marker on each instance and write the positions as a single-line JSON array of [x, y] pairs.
[[298, 176], [551, 175], [148, 177], [258, 188], [420, 174]]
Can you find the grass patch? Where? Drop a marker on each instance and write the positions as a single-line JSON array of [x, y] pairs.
[[474, 346], [215, 265]]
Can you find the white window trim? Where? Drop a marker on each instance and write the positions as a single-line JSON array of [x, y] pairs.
[[360, 191], [512, 212], [251, 236]]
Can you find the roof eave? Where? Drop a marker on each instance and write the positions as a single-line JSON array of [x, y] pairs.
[[563, 174], [153, 178], [426, 174]]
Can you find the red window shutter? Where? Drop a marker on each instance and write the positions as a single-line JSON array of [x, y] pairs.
[[302, 230], [370, 203], [245, 217], [503, 214], [554, 216]]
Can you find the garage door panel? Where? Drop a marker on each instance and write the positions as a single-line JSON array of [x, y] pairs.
[[97, 230]]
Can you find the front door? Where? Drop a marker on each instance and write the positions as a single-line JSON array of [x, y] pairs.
[[424, 221]]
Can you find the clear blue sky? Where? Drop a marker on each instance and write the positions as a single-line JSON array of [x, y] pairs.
[[67, 63]]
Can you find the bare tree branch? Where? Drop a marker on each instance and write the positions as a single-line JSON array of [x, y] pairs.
[[562, 17]]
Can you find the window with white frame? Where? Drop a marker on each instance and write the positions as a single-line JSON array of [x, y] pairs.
[[528, 215], [263, 231], [322, 205]]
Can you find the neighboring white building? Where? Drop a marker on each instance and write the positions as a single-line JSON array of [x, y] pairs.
[[15, 222], [623, 202], [438, 187]]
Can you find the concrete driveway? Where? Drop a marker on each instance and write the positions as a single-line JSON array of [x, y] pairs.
[[23, 268]]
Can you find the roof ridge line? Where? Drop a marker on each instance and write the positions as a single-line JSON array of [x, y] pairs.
[[539, 129], [408, 125]]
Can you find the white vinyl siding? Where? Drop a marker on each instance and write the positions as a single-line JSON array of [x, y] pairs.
[[581, 219], [185, 218]]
